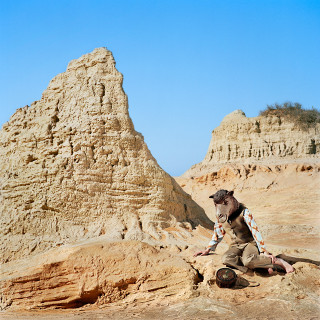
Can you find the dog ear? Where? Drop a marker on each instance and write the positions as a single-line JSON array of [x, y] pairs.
[[230, 193]]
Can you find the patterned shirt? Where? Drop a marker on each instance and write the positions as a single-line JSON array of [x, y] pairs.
[[218, 232]]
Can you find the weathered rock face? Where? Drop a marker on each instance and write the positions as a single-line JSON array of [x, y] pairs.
[[99, 272], [271, 139], [73, 167]]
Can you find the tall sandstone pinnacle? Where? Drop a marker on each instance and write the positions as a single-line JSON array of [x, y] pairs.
[[72, 167]]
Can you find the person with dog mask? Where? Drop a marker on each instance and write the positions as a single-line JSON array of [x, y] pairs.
[[247, 249]]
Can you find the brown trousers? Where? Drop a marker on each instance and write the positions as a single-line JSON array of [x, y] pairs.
[[245, 256]]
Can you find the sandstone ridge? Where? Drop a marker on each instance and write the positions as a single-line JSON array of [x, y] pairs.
[[258, 140], [72, 167]]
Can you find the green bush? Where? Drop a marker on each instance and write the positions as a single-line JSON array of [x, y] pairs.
[[303, 118]]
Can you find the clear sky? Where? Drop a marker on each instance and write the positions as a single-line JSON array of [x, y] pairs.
[[186, 64]]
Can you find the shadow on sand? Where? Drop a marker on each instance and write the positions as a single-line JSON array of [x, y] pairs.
[[293, 260]]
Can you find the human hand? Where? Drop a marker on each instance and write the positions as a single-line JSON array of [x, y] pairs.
[[202, 253], [270, 255]]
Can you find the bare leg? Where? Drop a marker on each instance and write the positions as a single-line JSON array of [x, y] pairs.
[[285, 265]]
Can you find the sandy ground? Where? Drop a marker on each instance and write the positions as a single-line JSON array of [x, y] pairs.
[[289, 218], [287, 213], [197, 308]]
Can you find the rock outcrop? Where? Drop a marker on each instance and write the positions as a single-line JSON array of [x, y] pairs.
[[72, 167], [263, 140], [97, 273]]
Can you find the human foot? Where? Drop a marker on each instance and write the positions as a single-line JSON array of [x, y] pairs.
[[270, 271], [284, 264]]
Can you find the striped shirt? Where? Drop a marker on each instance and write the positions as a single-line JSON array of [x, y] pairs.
[[218, 232]]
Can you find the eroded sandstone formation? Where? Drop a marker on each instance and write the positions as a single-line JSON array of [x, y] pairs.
[[97, 273], [272, 139], [72, 167]]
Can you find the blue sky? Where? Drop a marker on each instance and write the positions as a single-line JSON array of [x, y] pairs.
[[186, 64]]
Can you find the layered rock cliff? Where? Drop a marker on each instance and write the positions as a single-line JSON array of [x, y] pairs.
[[72, 167], [271, 139]]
